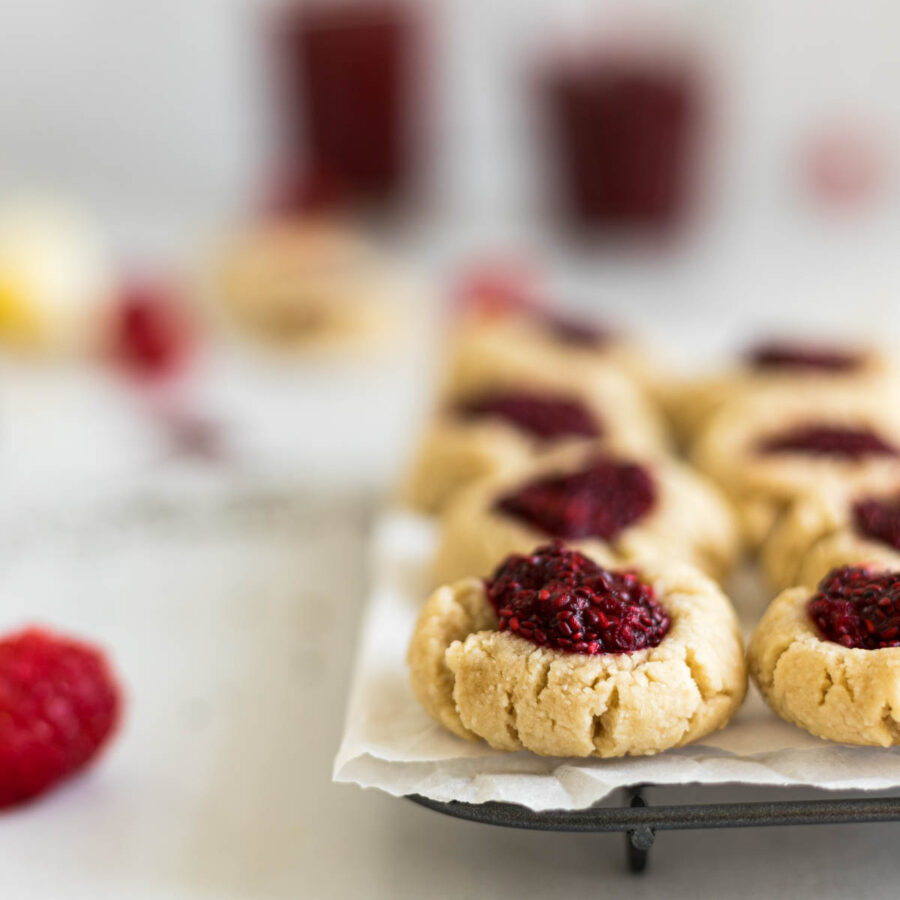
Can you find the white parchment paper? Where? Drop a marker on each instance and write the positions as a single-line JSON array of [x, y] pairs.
[[390, 743]]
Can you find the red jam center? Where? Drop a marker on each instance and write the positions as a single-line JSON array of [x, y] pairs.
[[786, 355], [577, 332], [878, 519], [598, 501], [858, 608], [559, 598], [829, 440], [543, 416]]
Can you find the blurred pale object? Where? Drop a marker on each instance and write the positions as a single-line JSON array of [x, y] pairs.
[[56, 277], [308, 284], [845, 164]]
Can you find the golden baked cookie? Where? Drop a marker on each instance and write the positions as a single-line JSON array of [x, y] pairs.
[[544, 338], [828, 658], [769, 449], [498, 413], [563, 658], [613, 507], [784, 365], [829, 528], [306, 284]]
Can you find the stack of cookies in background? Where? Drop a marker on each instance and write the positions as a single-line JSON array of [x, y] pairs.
[[579, 558]]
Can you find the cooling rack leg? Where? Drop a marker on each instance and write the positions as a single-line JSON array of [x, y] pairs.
[[638, 841]]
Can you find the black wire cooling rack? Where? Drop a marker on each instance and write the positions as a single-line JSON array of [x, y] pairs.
[[639, 821]]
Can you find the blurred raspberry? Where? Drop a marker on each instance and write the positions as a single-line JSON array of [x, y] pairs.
[[498, 287], [59, 704], [844, 165], [151, 334]]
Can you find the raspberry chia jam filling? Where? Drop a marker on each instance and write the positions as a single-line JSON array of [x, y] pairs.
[[576, 332], [544, 416], [802, 357], [878, 518], [558, 598], [838, 441], [598, 501], [858, 608]]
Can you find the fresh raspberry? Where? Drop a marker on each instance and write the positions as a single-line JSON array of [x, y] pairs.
[[59, 704], [839, 441], [798, 357], [544, 416], [556, 597], [151, 334]]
